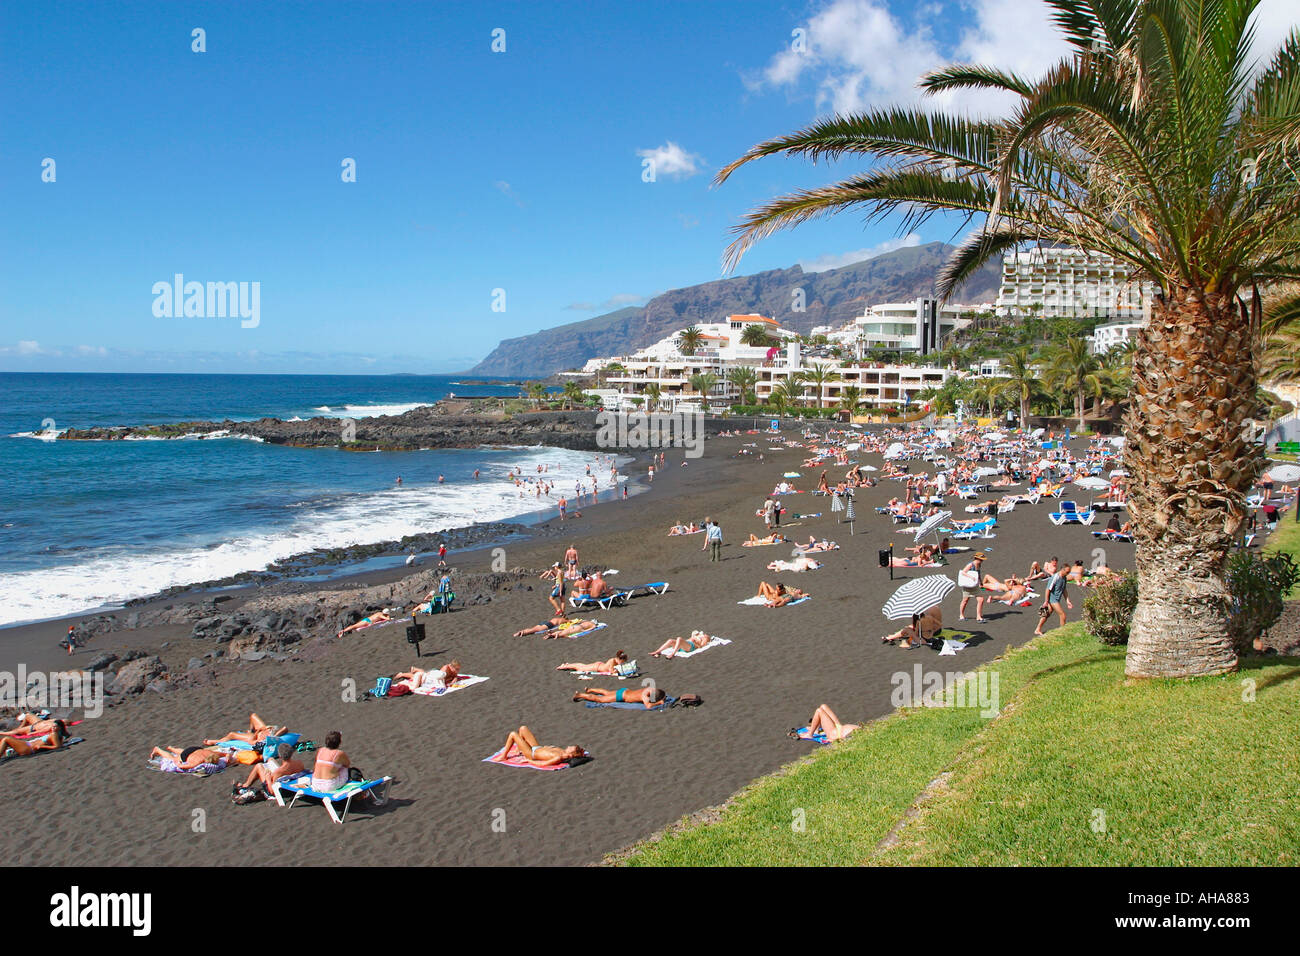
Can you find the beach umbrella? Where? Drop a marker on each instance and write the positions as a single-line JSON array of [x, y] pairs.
[[848, 511], [1284, 473], [895, 450], [994, 436], [869, 468], [1118, 441], [1045, 463], [917, 596], [931, 523], [1037, 433], [1092, 483], [1119, 473]]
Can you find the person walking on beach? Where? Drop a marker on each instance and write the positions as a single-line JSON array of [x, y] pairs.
[[769, 511], [970, 578], [564, 504], [1055, 598], [714, 539], [708, 523], [571, 560], [71, 640], [556, 575]]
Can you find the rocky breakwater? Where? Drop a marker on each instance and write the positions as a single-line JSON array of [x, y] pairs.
[[441, 425]]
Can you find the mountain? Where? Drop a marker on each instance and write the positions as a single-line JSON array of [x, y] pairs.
[[830, 298]]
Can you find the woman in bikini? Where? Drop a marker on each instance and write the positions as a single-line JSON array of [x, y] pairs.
[[671, 647], [330, 771], [648, 697], [755, 540], [418, 679], [596, 667], [783, 596], [824, 719], [258, 730], [379, 617], [524, 743], [26, 746], [191, 757]]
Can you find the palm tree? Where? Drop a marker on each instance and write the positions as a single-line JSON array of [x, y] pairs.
[[820, 376], [653, 393], [1070, 364], [1281, 357], [850, 397], [537, 393], [689, 341], [574, 394], [1156, 144], [790, 389], [744, 378], [703, 383], [1021, 382]]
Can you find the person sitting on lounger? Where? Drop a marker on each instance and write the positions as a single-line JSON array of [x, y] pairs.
[[190, 757], [599, 586], [824, 720], [596, 667], [524, 743], [379, 617], [51, 739], [330, 771], [283, 763], [648, 697], [671, 647], [258, 730], [430, 680]]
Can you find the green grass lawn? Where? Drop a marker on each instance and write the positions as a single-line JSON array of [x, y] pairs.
[[1286, 538], [1080, 768]]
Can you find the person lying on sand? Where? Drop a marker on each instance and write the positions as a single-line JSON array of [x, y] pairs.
[[283, 763], [25, 747], [814, 545], [648, 697], [543, 627], [670, 648], [28, 723], [418, 679], [800, 563], [524, 743], [691, 528], [755, 540], [560, 627], [596, 667], [258, 730], [824, 720], [190, 757], [379, 617], [1013, 590], [778, 595]]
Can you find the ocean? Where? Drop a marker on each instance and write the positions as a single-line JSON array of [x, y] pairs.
[[88, 525]]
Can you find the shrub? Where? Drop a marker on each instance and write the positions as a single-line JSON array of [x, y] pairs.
[[1259, 585], [1108, 611]]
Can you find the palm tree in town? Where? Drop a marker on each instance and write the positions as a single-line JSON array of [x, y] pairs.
[[703, 383], [653, 394], [1281, 357], [536, 391], [1070, 364], [744, 378], [574, 394], [754, 335], [850, 398], [689, 341], [790, 389], [1021, 381], [1159, 143], [819, 376]]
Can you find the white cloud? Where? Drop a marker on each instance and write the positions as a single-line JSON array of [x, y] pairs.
[[507, 190], [29, 347], [673, 161], [834, 260], [92, 350]]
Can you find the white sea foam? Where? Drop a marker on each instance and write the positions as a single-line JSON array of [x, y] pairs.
[[108, 578], [366, 411], [47, 435]]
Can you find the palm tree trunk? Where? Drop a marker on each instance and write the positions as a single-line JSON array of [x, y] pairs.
[[1190, 469]]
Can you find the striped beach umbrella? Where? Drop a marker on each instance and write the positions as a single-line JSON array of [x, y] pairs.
[[917, 596], [1284, 473], [931, 523]]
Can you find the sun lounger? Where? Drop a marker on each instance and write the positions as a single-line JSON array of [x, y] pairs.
[[612, 599], [1031, 498], [300, 786], [1070, 514], [982, 529], [1113, 536], [654, 587]]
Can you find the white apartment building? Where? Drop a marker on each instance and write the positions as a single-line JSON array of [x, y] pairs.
[[900, 326], [877, 383], [1070, 282], [1106, 337]]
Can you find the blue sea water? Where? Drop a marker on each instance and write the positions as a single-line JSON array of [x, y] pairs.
[[91, 524]]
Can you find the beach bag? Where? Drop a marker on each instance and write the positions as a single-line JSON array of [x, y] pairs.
[[382, 684], [967, 578], [689, 700], [398, 690], [625, 670], [247, 756], [242, 796]]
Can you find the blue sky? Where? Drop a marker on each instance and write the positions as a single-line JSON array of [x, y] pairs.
[[475, 170]]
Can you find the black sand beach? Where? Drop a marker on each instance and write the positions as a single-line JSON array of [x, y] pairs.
[[101, 805]]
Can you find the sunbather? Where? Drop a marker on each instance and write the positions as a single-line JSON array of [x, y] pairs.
[[524, 743], [914, 634], [779, 595], [422, 680], [543, 627], [755, 540], [25, 747], [800, 563], [283, 763], [669, 648], [258, 730], [1012, 591], [379, 617], [332, 766], [191, 757], [648, 697], [596, 667], [814, 545], [31, 724], [824, 720]]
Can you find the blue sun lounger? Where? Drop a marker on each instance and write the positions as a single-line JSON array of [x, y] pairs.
[[612, 599], [654, 587], [300, 786]]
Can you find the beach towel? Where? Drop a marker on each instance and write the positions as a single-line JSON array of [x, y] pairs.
[[713, 642], [818, 738], [69, 742], [758, 600], [662, 705], [26, 735], [515, 760], [951, 647], [202, 770], [460, 683], [621, 672], [600, 626]]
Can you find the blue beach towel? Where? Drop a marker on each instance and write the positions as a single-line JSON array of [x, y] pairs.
[[662, 705], [819, 737]]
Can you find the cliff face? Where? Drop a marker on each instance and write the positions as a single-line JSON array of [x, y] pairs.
[[830, 298]]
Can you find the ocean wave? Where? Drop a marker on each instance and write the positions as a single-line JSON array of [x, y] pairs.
[[366, 411], [109, 577], [47, 435]]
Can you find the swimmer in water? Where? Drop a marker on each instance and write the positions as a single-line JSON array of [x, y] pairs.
[[441, 479]]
